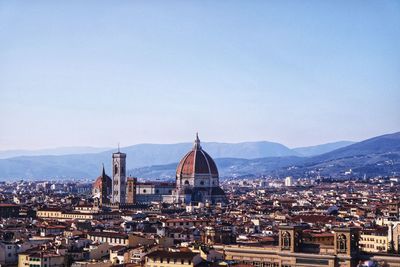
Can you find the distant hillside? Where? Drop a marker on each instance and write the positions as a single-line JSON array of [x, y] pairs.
[[375, 156], [227, 167], [88, 165], [321, 149], [52, 151], [388, 143]]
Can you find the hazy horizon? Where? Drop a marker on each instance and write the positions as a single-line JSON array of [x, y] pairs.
[[99, 73]]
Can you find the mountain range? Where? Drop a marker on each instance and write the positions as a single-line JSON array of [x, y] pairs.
[[379, 155]]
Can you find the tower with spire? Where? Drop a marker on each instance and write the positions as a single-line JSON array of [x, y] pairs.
[[104, 192], [102, 188]]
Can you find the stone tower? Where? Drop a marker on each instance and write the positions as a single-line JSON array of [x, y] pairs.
[[131, 190], [119, 177], [291, 237]]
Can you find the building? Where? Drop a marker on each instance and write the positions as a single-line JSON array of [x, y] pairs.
[[292, 251], [57, 214], [374, 240], [8, 210], [41, 259], [131, 190], [168, 258], [119, 239], [119, 178], [289, 181], [102, 188], [197, 178], [153, 191]]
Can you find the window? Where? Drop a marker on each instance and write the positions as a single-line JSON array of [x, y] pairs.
[[202, 183], [186, 182], [341, 243], [115, 169], [285, 240]]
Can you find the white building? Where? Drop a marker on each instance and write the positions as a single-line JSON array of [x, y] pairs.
[[289, 181]]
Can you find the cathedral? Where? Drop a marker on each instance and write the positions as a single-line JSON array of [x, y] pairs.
[[197, 178], [197, 181]]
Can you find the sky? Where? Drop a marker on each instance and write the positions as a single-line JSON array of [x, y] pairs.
[[99, 73]]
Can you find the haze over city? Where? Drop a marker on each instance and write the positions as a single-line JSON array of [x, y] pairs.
[[200, 133], [99, 73]]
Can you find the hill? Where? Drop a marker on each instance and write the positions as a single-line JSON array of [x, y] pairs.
[[88, 164], [373, 157], [376, 156], [321, 149]]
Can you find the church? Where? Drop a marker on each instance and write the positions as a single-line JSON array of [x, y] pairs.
[[197, 181], [197, 178]]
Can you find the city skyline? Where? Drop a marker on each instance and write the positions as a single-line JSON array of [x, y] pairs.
[[296, 73]]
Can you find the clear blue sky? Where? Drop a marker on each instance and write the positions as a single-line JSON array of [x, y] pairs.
[[97, 73]]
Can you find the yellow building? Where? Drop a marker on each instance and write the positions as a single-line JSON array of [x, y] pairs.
[[169, 259], [374, 240], [41, 259], [119, 239], [83, 215]]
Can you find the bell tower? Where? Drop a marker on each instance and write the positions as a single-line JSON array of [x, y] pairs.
[[291, 237], [346, 241], [119, 177]]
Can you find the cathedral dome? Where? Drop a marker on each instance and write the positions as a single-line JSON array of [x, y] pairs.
[[197, 161], [98, 182]]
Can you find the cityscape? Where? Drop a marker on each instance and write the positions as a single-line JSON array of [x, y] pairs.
[[200, 133], [200, 220]]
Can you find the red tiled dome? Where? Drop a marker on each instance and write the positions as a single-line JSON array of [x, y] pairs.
[[197, 161], [97, 183]]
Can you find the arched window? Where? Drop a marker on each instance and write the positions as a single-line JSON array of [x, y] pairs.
[[285, 240], [341, 243], [115, 168], [186, 182], [202, 183]]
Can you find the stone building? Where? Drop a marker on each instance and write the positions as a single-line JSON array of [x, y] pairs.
[[119, 178], [197, 178], [102, 188]]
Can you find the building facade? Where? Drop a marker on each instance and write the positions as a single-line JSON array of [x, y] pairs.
[[197, 178], [119, 178]]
